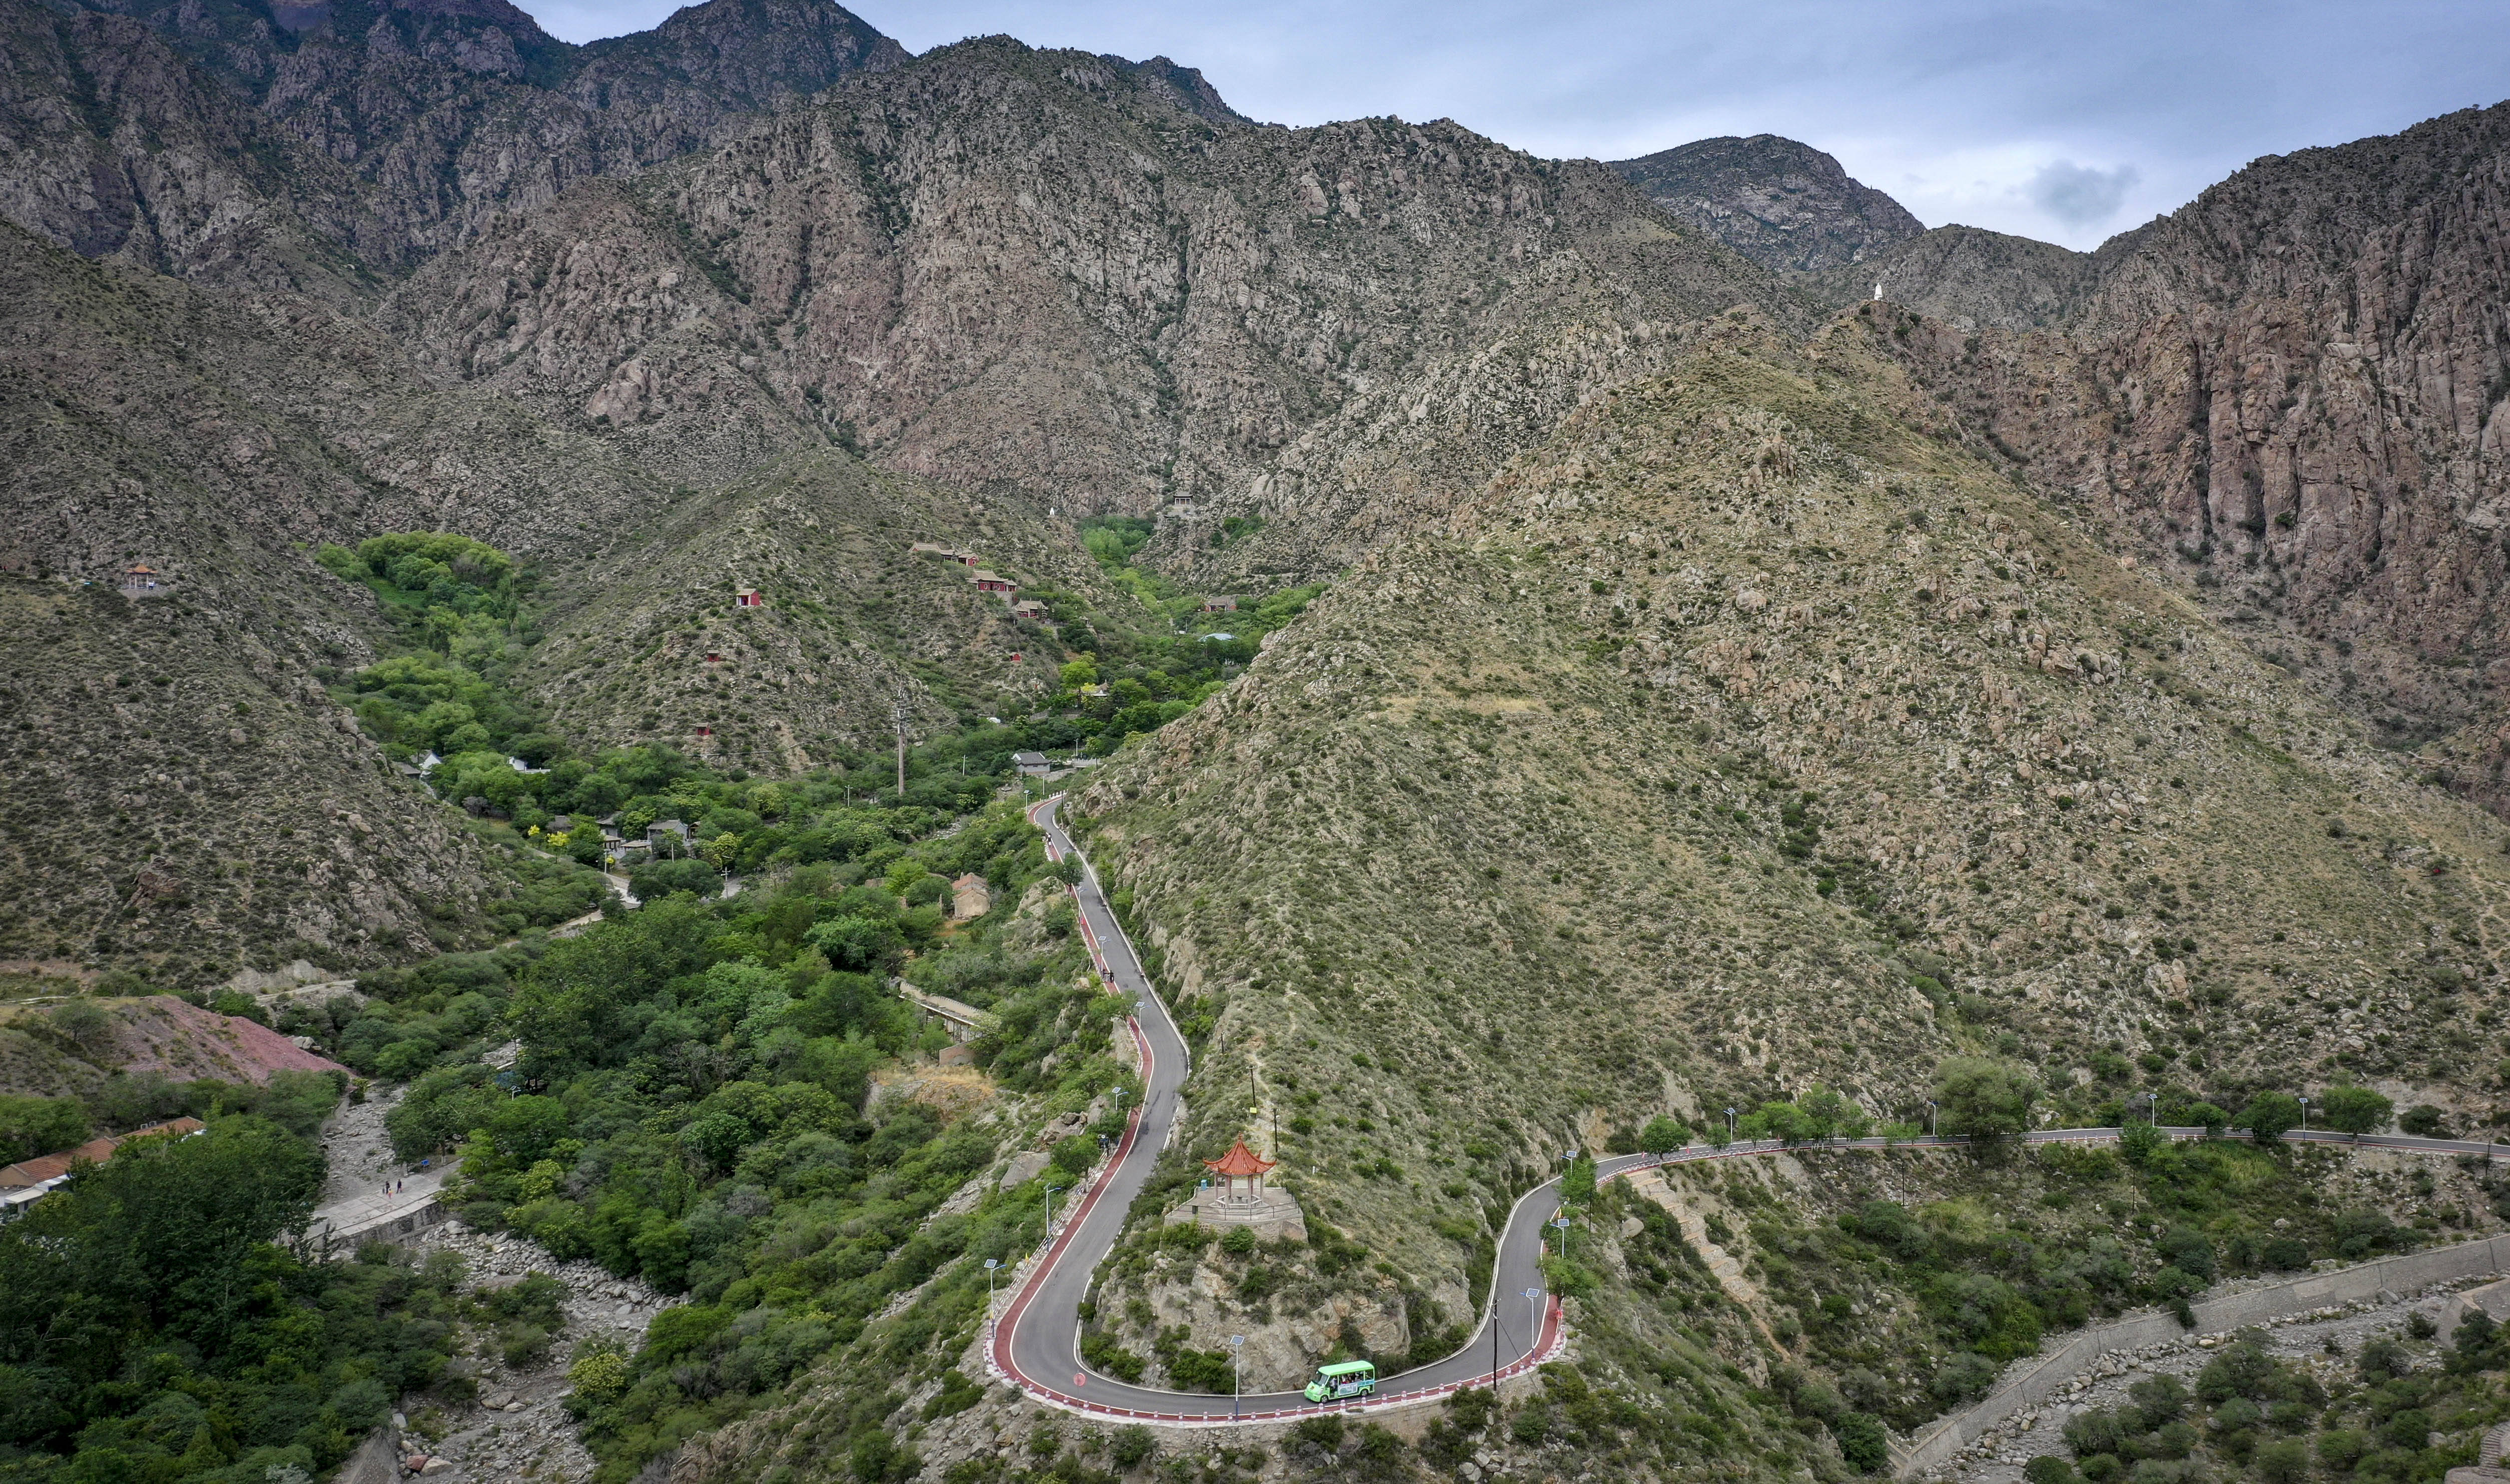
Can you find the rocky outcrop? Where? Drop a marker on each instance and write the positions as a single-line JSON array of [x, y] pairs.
[[1968, 277], [1779, 203], [1055, 275], [237, 141], [517, 1424], [2289, 394]]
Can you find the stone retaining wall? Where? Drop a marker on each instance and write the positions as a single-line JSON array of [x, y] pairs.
[[394, 1227], [1937, 1446]]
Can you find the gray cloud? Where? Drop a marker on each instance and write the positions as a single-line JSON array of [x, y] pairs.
[[2078, 195]]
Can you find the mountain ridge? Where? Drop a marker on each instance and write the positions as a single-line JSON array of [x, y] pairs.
[[1779, 201]]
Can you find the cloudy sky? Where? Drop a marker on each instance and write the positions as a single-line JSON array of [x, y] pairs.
[[2064, 121]]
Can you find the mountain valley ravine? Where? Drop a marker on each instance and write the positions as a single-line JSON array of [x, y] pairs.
[[739, 755]]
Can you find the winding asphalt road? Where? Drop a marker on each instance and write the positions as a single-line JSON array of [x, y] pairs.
[[1036, 1344]]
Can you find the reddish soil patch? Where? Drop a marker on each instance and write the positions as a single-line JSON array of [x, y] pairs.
[[180, 1042]]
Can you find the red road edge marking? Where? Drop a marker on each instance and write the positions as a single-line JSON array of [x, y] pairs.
[[1548, 1343], [998, 1358]]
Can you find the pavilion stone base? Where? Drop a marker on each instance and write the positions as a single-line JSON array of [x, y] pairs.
[[1273, 1214]]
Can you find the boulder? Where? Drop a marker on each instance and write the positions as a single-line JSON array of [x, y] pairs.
[[1025, 1167]]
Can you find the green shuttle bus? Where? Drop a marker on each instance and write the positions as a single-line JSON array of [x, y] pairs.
[[1341, 1383]]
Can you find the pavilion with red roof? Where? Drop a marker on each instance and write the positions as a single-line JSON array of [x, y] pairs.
[[1244, 1168], [1236, 1196]]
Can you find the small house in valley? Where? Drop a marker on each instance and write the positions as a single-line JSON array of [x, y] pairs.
[[1032, 764], [143, 581], [970, 896], [749, 598], [28, 1181], [991, 581], [1220, 605]]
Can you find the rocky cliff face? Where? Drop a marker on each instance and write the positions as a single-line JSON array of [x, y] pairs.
[[1077, 280], [1968, 277], [2289, 393], [227, 139], [1778, 202]]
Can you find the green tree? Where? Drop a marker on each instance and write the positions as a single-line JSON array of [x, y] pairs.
[[568, 1011], [40, 1125], [1832, 1116], [2139, 1141], [2208, 1116], [1984, 1098], [2353, 1110], [2270, 1115], [2424, 1121], [86, 1025], [1862, 1442], [159, 1239], [1664, 1135], [1578, 1183]]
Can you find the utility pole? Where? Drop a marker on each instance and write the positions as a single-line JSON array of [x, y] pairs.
[[898, 718]]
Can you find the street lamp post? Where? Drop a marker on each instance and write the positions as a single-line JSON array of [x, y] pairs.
[[991, 1263], [1562, 1223], [1930, 1118], [1494, 1324], [1534, 1336], [1729, 1125], [1235, 1340], [2305, 1114]]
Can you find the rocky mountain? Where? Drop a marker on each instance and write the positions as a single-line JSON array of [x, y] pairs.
[[1968, 277], [1077, 280], [1778, 202], [1753, 732], [2289, 394], [308, 143], [850, 618], [182, 792]]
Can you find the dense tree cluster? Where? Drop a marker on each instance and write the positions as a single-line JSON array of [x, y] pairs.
[[154, 1325], [694, 1107]]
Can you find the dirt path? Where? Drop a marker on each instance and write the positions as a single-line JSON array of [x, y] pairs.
[[361, 1152]]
